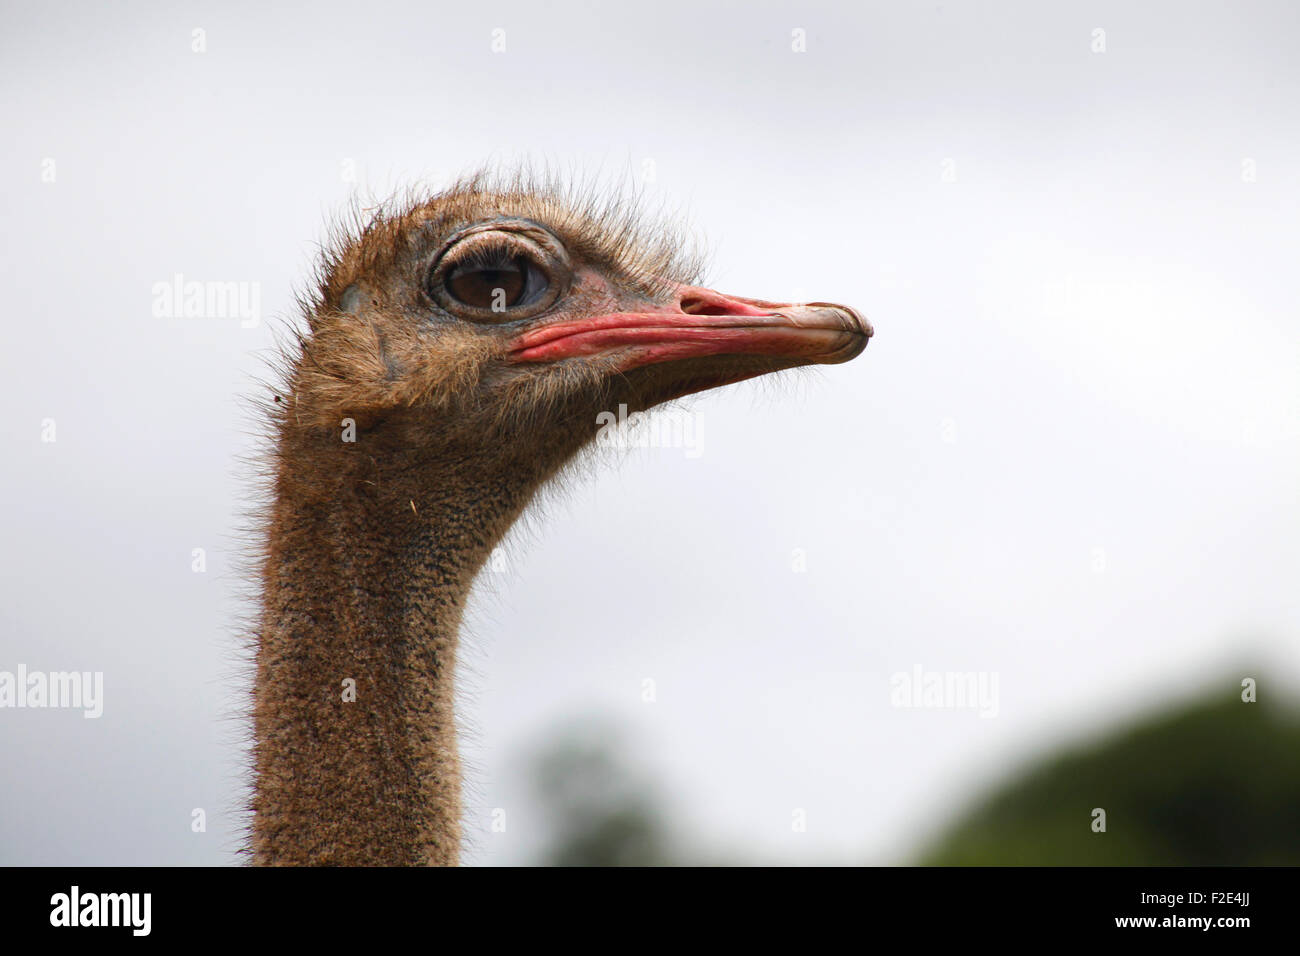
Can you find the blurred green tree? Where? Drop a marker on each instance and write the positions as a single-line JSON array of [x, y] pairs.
[[1214, 782], [599, 810]]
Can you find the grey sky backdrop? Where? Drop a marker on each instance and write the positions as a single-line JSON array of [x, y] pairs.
[[1070, 456]]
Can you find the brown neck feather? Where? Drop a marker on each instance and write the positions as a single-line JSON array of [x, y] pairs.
[[371, 552]]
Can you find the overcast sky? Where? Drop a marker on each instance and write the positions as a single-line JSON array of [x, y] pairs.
[[1069, 457]]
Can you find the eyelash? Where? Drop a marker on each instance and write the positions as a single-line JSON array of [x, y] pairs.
[[486, 255]]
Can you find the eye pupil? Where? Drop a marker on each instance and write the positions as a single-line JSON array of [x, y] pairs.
[[498, 286]]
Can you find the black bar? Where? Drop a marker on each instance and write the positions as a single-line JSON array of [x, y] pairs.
[[984, 905]]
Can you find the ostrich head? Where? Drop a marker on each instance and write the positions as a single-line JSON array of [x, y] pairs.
[[505, 318], [467, 346]]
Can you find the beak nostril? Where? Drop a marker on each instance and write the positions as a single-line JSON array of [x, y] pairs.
[[699, 305]]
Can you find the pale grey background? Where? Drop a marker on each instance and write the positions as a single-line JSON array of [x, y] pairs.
[[1088, 341]]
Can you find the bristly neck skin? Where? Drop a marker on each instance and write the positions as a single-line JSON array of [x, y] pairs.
[[372, 547]]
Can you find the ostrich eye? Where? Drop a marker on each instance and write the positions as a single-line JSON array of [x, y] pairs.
[[495, 286], [500, 271]]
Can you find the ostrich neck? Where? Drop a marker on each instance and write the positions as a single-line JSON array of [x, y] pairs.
[[366, 573]]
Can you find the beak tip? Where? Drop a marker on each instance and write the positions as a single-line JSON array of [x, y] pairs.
[[854, 320]]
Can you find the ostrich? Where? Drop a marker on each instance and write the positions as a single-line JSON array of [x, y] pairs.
[[457, 354]]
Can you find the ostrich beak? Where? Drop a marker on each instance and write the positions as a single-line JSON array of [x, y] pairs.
[[701, 323]]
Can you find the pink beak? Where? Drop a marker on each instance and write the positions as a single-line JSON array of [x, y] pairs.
[[701, 322]]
